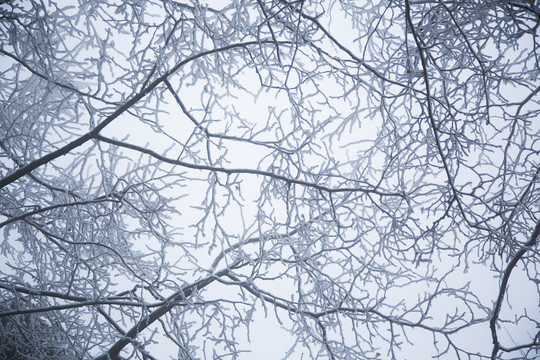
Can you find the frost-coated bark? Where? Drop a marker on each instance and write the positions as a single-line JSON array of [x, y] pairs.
[[360, 179]]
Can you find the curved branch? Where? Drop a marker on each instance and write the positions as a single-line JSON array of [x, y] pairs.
[[218, 169], [114, 351], [64, 150], [502, 290]]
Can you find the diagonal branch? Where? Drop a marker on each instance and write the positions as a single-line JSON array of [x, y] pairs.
[[368, 190], [64, 150], [502, 290], [114, 351]]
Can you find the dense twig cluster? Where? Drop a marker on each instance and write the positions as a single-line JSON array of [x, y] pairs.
[[364, 173]]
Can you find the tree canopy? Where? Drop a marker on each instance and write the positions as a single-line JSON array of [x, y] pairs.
[[360, 179]]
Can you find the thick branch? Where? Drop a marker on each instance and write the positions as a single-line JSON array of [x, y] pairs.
[[172, 301], [129, 103], [502, 290]]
